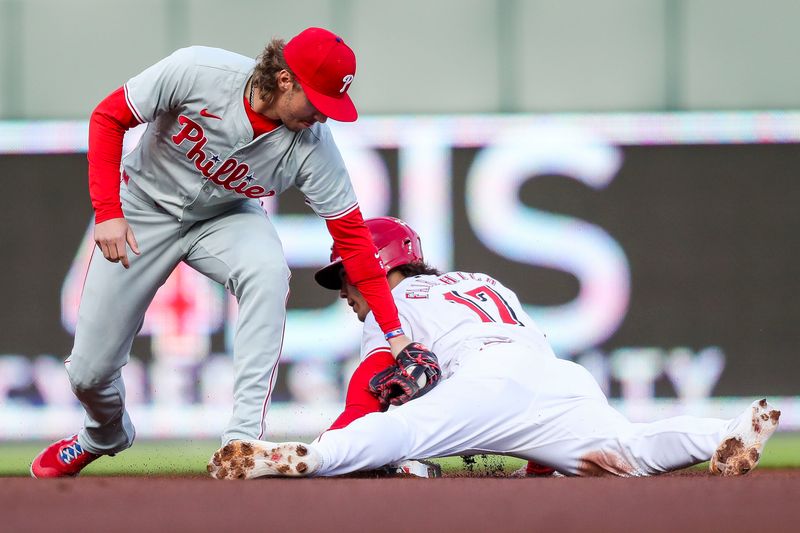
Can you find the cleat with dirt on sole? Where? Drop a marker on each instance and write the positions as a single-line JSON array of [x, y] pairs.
[[253, 459], [740, 450]]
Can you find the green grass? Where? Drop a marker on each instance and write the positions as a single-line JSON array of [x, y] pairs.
[[145, 458], [181, 458]]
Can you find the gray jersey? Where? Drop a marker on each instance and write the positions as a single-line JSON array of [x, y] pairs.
[[197, 158], [193, 187]]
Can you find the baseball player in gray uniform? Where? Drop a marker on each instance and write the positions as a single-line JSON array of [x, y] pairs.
[[222, 132], [503, 391]]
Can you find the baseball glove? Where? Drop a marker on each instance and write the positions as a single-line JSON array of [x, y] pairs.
[[416, 373]]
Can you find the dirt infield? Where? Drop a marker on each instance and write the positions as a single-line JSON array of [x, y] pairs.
[[765, 500]]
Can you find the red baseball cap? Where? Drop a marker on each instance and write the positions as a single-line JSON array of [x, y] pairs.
[[325, 67]]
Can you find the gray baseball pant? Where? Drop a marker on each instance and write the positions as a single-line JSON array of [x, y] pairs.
[[239, 249]]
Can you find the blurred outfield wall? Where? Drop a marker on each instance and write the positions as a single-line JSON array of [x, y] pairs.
[[658, 250], [58, 59]]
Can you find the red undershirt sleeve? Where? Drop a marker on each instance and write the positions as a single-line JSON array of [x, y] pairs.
[[353, 240], [359, 400], [107, 126]]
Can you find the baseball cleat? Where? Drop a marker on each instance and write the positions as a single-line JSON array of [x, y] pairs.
[[740, 451], [249, 459], [65, 458], [414, 468]]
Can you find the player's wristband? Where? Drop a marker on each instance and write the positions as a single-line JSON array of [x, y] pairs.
[[394, 333]]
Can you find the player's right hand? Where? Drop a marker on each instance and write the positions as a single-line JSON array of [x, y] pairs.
[[112, 237]]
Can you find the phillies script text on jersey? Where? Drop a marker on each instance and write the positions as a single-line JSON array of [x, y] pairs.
[[228, 172]]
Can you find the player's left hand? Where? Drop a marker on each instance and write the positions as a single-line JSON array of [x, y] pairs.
[[416, 373]]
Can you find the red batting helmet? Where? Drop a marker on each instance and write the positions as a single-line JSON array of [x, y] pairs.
[[396, 242]]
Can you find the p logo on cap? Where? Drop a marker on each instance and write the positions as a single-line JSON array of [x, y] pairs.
[[324, 67], [347, 81]]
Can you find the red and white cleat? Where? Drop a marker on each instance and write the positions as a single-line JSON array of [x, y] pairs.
[[64, 458], [249, 459], [740, 451], [414, 468]]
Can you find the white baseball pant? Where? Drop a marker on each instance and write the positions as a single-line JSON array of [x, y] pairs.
[[507, 399]]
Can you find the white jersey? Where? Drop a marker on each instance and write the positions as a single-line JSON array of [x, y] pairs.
[[197, 159], [504, 392], [453, 312]]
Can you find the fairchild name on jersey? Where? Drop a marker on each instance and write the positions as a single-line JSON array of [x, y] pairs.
[[228, 171], [420, 288]]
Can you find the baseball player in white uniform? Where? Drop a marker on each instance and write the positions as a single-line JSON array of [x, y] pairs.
[[222, 132], [503, 391]]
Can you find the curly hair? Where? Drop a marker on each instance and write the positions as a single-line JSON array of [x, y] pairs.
[[268, 65], [417, 268]]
